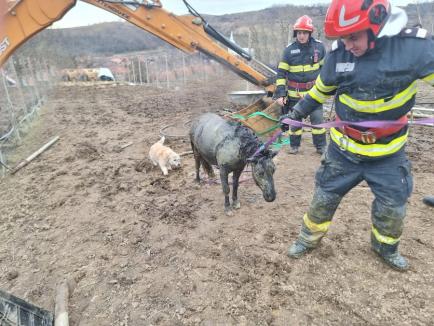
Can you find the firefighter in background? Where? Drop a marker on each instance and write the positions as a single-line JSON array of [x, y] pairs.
[[300, 65], [372, 69]]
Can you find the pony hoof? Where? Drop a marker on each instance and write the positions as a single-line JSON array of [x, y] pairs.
[[236, 205], [229, 212]]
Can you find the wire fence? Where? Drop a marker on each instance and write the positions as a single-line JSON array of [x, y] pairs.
[[24, 83], [165, 69]]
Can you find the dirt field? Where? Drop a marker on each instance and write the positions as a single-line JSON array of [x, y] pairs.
[[151, 250]]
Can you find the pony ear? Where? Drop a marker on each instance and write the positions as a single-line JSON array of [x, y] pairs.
[[268, 153], [265, 152]]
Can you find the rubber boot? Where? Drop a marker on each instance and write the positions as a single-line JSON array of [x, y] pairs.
[[429, 200], [293, 150], [390, 255], [320, 150], [298, 249]]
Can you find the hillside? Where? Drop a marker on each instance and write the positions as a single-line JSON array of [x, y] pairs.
[[266, 31]]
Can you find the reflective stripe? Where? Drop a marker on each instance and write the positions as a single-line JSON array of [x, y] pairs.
[[317, 95], [298, 132], [429, 79], [323, 88], [384, 239], [281, 82], [292, 93], [372, 150], [318, 131], [321, 63], [315, 227], [380, 105], [303, 68], [284, 66]]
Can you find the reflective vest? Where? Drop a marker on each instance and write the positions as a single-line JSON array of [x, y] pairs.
[[299, 67], [379, 85]]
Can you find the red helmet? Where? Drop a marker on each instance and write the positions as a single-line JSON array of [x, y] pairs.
[[345, 17], [304, 23]]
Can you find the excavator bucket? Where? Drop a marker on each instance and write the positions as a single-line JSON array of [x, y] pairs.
[[262, 116], [17, 312]]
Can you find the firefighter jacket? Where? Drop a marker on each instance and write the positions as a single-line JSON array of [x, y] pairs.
[[299, 68], [379, 85]]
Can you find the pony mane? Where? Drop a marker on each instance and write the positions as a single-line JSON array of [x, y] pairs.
[[249, 142]]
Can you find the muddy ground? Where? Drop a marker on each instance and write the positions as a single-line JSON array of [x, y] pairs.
[[145, 249]]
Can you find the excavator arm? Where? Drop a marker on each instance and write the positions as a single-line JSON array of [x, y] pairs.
[[21, 19]]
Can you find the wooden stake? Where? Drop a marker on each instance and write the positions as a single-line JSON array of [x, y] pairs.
[[63, 291], [126, 145], [34, 155], [186, 153]]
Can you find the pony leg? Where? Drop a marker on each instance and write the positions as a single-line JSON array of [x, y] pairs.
[[208, 169], [235, 182], [197, 161], [226, 190]]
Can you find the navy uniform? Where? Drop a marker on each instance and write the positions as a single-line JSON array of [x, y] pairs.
[[379, 85], [297, 72]]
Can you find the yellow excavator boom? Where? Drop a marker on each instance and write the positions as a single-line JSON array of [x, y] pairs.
[[21, 19]]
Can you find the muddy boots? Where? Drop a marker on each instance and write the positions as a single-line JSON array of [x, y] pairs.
[[293, 150], [320, 150], [390, 255], [298, 249], [429, 200]]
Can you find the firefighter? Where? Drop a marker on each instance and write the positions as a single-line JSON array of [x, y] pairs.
[[300, 65], [372, 70]]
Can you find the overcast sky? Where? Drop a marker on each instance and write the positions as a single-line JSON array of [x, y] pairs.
[[84, 14]]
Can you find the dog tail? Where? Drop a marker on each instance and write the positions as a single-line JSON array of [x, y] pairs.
[[161, 141]]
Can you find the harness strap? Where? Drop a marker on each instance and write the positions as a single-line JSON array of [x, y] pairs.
[[301, 86], [371, 135]]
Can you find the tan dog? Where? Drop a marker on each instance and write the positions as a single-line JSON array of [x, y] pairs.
[[163, 156]]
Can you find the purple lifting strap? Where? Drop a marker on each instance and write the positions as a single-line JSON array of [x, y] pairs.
[[338, 124], [363, 124]]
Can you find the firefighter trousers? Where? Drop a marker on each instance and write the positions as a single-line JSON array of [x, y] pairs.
[[316, 117], [390, 181]]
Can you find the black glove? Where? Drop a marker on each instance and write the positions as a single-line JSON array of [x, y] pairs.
[[293, 115], [283, 126]]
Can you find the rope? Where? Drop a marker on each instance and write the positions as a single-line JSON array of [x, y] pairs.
[[252, 115]]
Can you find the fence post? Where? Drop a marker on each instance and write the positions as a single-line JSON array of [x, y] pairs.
[[157, 75], [140, 71], [134, 71], [128, 71], [2, 163], [147, 72], [33, 77], [13, 119], [19, 85], [183, 70], [167, 71]]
